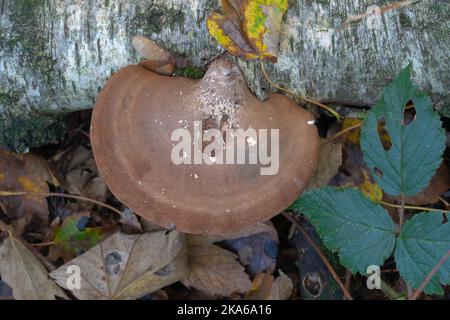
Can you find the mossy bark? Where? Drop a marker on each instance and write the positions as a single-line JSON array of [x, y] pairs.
[[324, 57], [56, 55]]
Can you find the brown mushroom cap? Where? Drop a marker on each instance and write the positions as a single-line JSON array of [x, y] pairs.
[[132, 124]]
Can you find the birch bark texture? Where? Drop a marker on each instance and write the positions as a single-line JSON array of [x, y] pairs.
[[55, 55]]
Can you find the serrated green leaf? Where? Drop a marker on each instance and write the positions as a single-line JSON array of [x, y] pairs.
[[71, 238], [423, 242], [408, 166], [360, 231]]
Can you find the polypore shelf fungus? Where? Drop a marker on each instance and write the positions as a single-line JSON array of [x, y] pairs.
[[203, 156]]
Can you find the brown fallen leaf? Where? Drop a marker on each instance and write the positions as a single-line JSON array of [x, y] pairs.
[[282, 288], [130, 222], [213, 269], [353, 171], [28, 173], [256, 248], [25, 274], [330, 159], [79, 174], [438, 185], [128, 266]]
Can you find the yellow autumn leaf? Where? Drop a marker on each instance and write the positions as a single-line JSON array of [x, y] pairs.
[[371, 189], [216, 24], [353, 135], [262, 25], [250, 29]]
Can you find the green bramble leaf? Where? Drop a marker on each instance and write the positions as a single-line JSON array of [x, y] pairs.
[[416, 150], [423, 242], [360, 231], [74, 239]]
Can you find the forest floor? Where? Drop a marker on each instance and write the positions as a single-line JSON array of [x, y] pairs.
[[281, 259]]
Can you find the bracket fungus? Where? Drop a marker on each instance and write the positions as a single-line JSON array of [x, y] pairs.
[[134, 137]]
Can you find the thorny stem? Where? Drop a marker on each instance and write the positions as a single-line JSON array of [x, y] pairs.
[[428, 278], [62, 195], [320, 254], [312, 101]]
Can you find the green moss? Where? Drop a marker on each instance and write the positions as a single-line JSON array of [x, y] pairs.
[[153, 19], [405, 21], [21, 133], [8, 98], [190, 72], [27, 36]]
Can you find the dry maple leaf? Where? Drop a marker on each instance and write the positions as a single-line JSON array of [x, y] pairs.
[[213, 269], [128, 266], [330, 159], [25, 274]]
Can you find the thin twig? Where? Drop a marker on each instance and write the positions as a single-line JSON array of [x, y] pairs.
[[320, 254], [43, 244], [387, 204], [340, 133], [312, 101], [62, 195], [381, 10], [446, 204], [428, 278]]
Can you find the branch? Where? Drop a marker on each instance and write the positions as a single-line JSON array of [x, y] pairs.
[[62, 195]]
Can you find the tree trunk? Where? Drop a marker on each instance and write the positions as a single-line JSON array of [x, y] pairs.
[[56, 55]]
